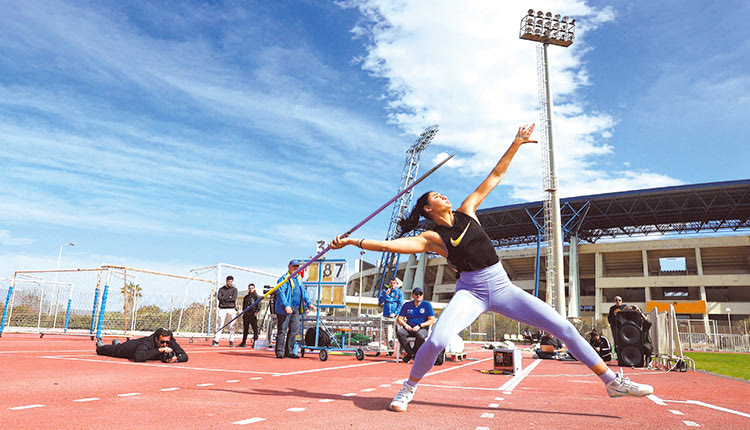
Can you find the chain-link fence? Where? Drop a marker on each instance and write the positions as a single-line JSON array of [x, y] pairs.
[[108, 300]]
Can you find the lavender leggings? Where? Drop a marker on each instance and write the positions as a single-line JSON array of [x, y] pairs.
[[490, 289]]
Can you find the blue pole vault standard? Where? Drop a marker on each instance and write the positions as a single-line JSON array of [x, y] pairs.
[[67, 316], [5, 309], [104, 306], [96, 302], [361, 223]]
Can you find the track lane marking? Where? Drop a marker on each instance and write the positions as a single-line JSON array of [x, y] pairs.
[[159, 365], [18, 408], [300, 372], [90, 399], [249, 421]]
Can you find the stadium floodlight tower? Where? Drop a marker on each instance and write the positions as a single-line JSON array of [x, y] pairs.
[[389, 261], [547, 29]]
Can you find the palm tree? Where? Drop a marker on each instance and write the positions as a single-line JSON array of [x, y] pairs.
[[130, 292]]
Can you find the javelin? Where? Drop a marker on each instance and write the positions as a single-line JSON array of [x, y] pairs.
[[328, 248]]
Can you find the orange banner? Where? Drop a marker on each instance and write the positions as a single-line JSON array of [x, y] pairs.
[[693, 307]]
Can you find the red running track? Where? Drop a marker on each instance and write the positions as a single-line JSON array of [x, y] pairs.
[[58, 382]]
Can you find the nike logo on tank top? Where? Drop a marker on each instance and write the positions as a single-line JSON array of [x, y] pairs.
[[469, 247]]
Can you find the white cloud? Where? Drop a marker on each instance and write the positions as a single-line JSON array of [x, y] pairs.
[[6, 239], [462, 65]]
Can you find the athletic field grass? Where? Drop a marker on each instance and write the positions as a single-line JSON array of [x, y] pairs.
[[736, 365]]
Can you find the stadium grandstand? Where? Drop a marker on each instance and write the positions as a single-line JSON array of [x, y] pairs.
[[684, 245]]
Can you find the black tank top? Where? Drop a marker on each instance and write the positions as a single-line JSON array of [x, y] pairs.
[[469, 247]]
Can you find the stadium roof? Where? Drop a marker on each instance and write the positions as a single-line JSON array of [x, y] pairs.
[[681, 209]]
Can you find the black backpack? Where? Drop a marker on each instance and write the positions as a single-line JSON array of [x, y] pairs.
[[324, 339]]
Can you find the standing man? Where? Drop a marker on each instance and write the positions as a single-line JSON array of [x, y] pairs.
[[291, 303], [392, 299], [227, 296], [250, 318], [612, 318], [415, 318], [160, 345]]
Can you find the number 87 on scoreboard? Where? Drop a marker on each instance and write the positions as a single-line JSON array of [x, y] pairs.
[[327, 278]]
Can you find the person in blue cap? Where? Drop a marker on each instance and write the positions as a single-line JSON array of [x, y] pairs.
[[291, 303]]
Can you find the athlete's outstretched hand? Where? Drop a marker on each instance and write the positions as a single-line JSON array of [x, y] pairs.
[[338, 242], [524, 133]]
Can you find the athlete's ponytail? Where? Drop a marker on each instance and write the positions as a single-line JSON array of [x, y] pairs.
[[410, 222]]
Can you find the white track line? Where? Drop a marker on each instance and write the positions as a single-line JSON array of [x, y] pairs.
[[249, 421], [159, 365], [90, 399], [325, 369], [18, 408], [515, 380]]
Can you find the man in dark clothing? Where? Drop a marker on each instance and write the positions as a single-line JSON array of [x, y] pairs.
[[250, 318], [550, 347], [227, 297], [612, 317], [161, 345], [601, 345]]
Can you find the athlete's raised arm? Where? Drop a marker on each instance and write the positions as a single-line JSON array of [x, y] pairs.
[[472, 202], [428, 241]]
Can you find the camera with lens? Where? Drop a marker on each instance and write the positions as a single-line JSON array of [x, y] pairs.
[[167, 356]]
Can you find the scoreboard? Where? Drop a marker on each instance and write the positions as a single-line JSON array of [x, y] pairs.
[[325, 281]]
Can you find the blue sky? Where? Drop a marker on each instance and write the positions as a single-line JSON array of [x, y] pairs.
[[179, 134]]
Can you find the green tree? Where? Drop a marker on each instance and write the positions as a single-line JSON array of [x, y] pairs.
[[130, 292]]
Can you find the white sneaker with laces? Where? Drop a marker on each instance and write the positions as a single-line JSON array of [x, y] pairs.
[[622, 386], [403, 398]]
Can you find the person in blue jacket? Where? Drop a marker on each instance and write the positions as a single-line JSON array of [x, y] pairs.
[[291, 303], [392, 298]]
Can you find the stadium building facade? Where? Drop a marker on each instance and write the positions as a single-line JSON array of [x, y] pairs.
[[677, 245]]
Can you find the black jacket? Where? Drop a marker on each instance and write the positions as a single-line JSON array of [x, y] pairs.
[[249, 299], [227, 297], [142, 349]]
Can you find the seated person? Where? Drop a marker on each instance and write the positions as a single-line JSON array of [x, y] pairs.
[[160, 345], [551, 348], [415, 318], [601, 345], [527, 335]]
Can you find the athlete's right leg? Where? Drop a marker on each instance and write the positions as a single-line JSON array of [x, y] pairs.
[[461, 311]]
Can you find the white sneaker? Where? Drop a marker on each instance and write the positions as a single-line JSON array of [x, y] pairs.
[[403, 398], [622, 386]]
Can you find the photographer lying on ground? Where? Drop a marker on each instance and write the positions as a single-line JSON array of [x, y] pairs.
[[161, 345]]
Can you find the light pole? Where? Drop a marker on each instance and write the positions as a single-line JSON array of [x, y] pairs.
[[548, 29], [57, 286], [59, 256], [361, 266]]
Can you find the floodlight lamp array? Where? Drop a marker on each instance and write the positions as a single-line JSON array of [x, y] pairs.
[[543, 27]]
